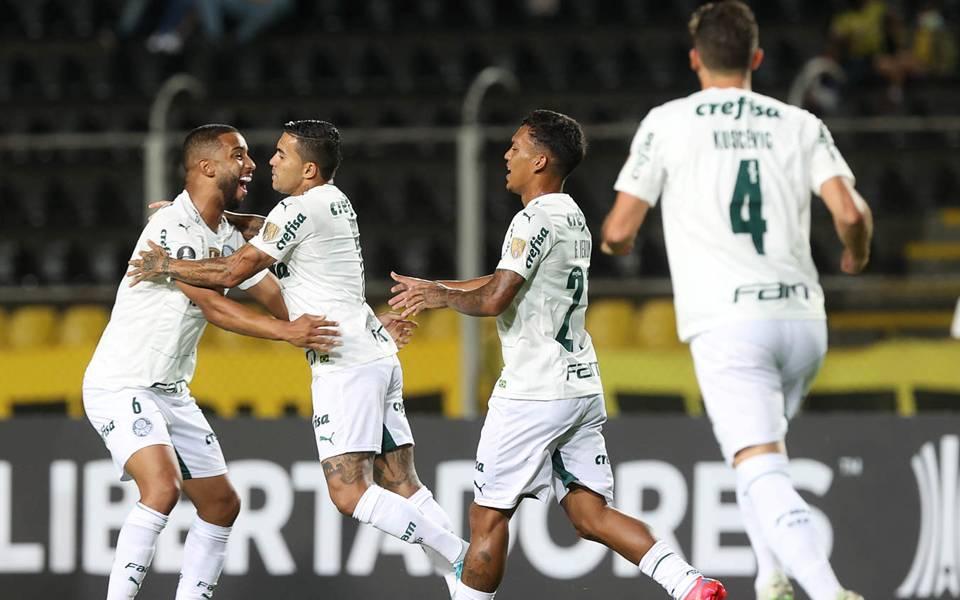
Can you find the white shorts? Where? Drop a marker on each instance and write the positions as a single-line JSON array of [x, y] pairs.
[[131, 419], [360, 409], [528, 446], [754, 375]]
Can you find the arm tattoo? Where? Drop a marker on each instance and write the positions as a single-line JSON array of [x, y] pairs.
[[151, 262], [472, 303], [210, 272]]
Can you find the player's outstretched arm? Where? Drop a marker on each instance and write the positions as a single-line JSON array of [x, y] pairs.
[[489, 300], [622, 223], [308, 331], [224, 272], [853, 221], [466, 284], [267, 293]]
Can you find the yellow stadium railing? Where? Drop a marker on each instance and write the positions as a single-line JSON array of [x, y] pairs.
[[268, 378]]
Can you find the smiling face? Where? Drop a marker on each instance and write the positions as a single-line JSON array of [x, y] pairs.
[[234, 169], [286, 166], [524, 159]]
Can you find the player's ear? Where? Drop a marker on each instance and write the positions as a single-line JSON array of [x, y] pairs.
[[310, 170], [695, 63], [540, 162], [206, 167], [757, 59]]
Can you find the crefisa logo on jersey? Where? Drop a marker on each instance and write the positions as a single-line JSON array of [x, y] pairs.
[[936, 564]]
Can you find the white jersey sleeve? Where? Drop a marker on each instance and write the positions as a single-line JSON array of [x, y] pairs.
[[529, 238], [643, 174], [825, 159], [286, 227]]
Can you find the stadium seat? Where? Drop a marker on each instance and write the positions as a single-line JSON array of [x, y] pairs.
[[609, 323], [655, 325], [82, 324], [4, 327], [32, 327]]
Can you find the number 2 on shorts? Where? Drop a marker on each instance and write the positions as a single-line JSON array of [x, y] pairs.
[[747, 191]]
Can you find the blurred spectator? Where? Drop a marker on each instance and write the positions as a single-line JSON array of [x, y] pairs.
[[867, 40], [169, 32], [934, 50], [252, 16]]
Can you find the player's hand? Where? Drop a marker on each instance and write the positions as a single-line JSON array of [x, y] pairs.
[[620, 250], [851, 264], [315, 333], [157, 205], [152, 264], [400, 329], [414, 295]]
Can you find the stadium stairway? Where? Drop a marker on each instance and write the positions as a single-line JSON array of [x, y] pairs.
[[939, 250]]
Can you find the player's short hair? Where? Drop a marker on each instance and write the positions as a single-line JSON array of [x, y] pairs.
[[317, 142], [559, 134], [205, 138], [725, 35]]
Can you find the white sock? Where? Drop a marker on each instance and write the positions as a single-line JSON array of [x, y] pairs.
[[667, 568], [399, 517], [425, 503], [465, 592], [785, 521], [767, 563], [203, 556], [135, 547]]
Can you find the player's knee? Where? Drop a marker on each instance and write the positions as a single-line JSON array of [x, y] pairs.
[[229, 508], [161, 495]]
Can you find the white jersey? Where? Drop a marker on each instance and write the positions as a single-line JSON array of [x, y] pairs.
[[151, 339], [547, 352], [735, 170], [316, 238]]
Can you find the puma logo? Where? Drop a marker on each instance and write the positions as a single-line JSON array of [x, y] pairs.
[[135, 582], [479, 487], [323, 438]]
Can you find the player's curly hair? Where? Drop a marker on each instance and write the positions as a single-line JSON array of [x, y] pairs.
[[318, 142], [560, 135], [726, 35]]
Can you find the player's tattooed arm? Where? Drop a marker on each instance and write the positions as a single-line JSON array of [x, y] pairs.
[[248, 225], [489, 300], [622, 223], [224, 272]]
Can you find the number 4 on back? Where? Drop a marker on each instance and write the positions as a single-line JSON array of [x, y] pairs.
[[747, 192]]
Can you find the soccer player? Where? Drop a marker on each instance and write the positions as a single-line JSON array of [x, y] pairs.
[[543, 428], [362, 434], [735, 170], [135, 389]]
